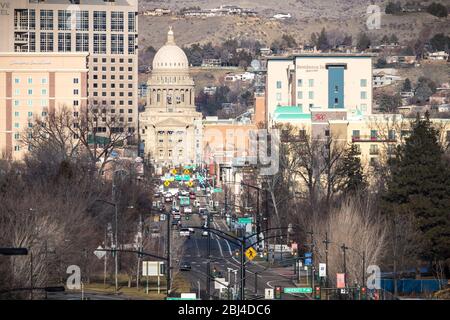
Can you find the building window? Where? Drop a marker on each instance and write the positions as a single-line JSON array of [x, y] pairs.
[[363, 95], [363, 107], [44, 92], [64, 20], [300, 95], [391, 135], [64, 42], [278, 84], [373, 134], [99, 43], [363, 82], [357, 148], [311, 82], [46, 19], [356, 135], [278, 96], [46, 42], [44, 81], [299, 83], [30, 92], [131, 44], [82, 20], [117, 44], [117, 21], [17, 92], [82, 44], [16, 80], [16, 103], [30, 80], [311, 94], [99, 20], [75, 91], [373, 149], [17, 114], [131, 22]]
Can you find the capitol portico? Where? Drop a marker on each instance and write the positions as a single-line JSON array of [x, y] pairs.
[[169, 122]]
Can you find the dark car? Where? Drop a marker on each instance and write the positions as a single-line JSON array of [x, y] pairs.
[[185, 266]]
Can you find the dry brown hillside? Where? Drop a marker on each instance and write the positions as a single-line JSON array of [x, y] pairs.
[[347, 17]]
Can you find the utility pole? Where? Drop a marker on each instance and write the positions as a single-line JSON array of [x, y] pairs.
[[31, 275], [168, 252], [344, 249], [208, 264], [116, 245], [242, 270], [326, 242]]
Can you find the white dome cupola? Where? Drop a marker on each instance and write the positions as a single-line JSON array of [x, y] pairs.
[[170, 56]]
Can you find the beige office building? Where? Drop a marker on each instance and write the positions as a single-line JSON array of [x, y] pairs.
[[33, 84], [106, 29]]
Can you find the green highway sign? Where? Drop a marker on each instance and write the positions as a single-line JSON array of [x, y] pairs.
[[217, 190], [245, 220], [297, 290]]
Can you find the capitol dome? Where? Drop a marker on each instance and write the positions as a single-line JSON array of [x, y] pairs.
[[170, 56]]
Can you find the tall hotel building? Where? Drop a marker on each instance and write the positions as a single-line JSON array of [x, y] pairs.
[[105, 30]]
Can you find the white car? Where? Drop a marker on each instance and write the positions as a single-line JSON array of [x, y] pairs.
[[187, 210], [185, 232], [205, 233]]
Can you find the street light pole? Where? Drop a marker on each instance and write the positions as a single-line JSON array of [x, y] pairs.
[[116, 261], [168, 253]]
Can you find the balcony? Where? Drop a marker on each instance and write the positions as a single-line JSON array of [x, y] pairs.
[[374, 152], [369, 138]]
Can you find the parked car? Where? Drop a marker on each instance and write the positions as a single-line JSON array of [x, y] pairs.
[[192, 196], [168, 199], [185, 266], [204, 233], [187, 210]]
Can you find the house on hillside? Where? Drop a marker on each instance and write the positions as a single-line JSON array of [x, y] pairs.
[[282, 16], [384, 77], [211, 63], [437, 56]]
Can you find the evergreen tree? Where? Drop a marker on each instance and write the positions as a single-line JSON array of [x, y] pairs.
[[363, 42], [438, 10], [322, 41], [351, 171], [407, 85], [385, 39], [419, 188]]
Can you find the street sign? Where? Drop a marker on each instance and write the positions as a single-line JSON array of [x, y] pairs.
[[308, 255], [152, 268], [297, 290], [100, 254], [220, 283], [340, 280], [250, 253], [162, 217], [174, 171], [322, 270], [269, 294], [308, 261], [217, 190], [186, 171], [245, 220], [190, 296], [190, 184], [167, 183]]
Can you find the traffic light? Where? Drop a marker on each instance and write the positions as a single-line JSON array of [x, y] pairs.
[[363, 293], [278, 293], [317, 294]]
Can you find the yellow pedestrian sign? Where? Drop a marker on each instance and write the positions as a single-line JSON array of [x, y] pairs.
[[250, 253], [167, 183], [174, 171], [186, 171], [190, 184]]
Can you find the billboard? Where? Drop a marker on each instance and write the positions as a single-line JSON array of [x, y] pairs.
[[340, 280]]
